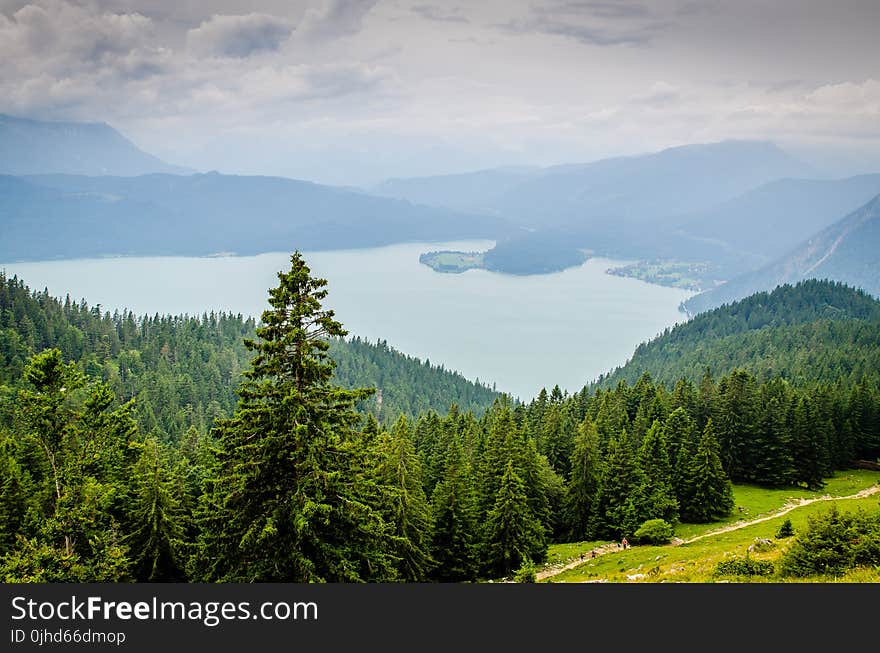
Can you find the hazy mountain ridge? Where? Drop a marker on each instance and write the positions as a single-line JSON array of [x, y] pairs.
[[480, 190], [772, 219], [34, 147], [58, 216], [847, 251], [626, 206]]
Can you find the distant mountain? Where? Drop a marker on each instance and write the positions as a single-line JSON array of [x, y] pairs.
[[672, 182], [627, 207], [29, 147], [479, 191], [814, 331], [643, 189], [847, 251], [769, 221], [61, 216]]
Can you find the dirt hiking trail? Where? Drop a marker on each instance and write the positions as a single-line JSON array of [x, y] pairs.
[[787, 508]]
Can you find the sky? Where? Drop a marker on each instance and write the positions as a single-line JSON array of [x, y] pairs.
[[351, 92]]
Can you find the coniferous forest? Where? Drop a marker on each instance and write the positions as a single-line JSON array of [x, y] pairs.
[[220, 449]]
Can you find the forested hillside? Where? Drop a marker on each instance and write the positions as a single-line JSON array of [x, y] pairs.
[[183, 371], [814, 331], [294, 485]]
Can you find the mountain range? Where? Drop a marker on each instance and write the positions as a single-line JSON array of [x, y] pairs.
[[624, 207], [34, 146], [62, 216], [750, 210], [845, 251]]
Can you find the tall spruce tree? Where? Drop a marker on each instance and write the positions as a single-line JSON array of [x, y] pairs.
[[405, 506], [809, 450], [83, 444], [736, 422], [653, 459], [708, 494], [13, 495], [583, 482], [289, 500], [513, 534], [454, 506], [681, 442], [157, 543], [619, 499]]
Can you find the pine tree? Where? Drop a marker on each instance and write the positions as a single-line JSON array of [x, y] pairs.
[[13, 496], [773, 465], [289, 500], [454, 507], [709, 494], [406, 507], [619, 500], [681, 442], [809, 452], [500, 447], [556, 437], [653, 459], [737, 422], [83, 442], [583, 482], [513, 534], [157, 544]]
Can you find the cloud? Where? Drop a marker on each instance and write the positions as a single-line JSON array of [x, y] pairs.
[[238, 36], [591, 23], [607, 9], [60, 29], [440, 14], [340, 18], [65, 61], [660, 94]]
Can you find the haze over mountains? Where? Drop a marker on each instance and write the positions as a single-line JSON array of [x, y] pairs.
[[768, 221], [846, 251], [30, 147], [625, 207], [56, 216], [78, 189]]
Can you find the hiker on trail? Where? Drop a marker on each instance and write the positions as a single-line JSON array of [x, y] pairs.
[[624, 543], [593, 553]]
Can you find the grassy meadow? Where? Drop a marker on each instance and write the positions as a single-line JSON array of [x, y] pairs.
[[694, 562]]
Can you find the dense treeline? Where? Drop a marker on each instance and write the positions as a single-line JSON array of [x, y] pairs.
[[296, 485], [815, 331], [183, 371]]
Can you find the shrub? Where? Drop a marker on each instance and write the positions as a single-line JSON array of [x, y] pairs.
[[747, 566], [526, 573], [654, 531], [785, 530], [833, 543]]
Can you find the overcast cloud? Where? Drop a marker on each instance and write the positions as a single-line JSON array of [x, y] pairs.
[[352, 91]]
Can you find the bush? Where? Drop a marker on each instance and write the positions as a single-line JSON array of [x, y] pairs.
[[786, 530], [747, 566], [834, 543], [654, 531], [526, 573]]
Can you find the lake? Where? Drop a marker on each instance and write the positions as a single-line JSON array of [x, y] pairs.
[[520, 332]]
